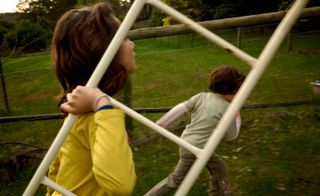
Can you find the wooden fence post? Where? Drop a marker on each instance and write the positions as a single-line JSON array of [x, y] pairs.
[[190, 40], [289, 42], [239, 37]]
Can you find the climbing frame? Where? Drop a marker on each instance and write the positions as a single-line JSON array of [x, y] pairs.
[[258, 66]]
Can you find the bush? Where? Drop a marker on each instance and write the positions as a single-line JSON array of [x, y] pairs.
[[28, 36], [3, 31], [223, 11], [156, 18]]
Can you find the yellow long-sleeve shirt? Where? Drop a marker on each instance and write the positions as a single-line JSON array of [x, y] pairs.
[[95, 159]]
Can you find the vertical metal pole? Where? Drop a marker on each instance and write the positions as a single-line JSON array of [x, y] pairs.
[[4, 90], [261, 64]]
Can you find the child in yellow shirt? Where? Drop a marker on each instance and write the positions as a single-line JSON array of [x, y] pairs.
[[95, 159]]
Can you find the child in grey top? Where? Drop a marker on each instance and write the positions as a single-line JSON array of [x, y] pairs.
[[206, 108]]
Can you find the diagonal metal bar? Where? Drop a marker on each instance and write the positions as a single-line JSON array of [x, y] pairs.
[[204, 32], [264, 59], [196, 151]]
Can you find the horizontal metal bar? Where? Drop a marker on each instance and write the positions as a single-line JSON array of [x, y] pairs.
[[46, 181], [55, 116]]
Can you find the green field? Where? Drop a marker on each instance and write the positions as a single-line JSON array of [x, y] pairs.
[[277, 152]]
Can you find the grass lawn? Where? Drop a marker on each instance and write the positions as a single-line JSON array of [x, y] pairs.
[[277, 152]]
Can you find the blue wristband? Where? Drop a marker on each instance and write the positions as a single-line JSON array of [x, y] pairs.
[[108, 106]]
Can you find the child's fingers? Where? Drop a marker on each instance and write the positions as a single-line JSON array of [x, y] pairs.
[[65, 107], [81, 100], [68, 106], [70, 109], [69, 97]]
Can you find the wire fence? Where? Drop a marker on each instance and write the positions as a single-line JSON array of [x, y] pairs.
[[179, 43], [248, 36], [251, 39]]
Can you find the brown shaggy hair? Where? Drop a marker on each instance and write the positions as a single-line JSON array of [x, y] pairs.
[[80, 39], [225, 80]]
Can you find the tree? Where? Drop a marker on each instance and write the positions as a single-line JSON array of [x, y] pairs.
[[36, 9], [46, 11], [86, 2], [190, 8], [120, 7]]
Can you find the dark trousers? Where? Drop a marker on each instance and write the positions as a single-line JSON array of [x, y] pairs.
[[219, 183]]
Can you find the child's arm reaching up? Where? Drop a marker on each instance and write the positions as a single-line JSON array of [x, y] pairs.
[[173, 114], [84, 99]]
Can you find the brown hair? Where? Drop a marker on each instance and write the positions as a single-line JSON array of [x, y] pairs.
[[80, 38], [225, 80]]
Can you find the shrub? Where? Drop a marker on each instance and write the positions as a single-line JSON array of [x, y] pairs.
[[156, 18], [27, 36], [223, 11], [3, 31]]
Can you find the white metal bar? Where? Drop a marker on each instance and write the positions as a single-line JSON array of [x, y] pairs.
[[204, 32], [251, 80], [196, 151], [48, 182], [93, 82]]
